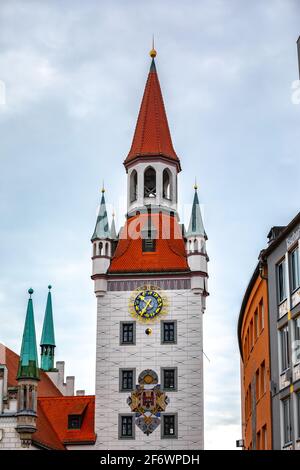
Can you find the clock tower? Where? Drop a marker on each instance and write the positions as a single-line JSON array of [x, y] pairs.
[[150, 282]]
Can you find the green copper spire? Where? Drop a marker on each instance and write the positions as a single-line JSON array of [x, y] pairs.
[[102, 228], [28, 363], [113, 232], [48, 339], [196, 226]]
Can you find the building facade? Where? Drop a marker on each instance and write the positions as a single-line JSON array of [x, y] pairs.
[[282, 261], [150, 281], [272, 358], [253, 334]]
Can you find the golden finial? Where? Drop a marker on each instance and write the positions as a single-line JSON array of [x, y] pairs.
[[195, 185], [153, 51], [103, 189]]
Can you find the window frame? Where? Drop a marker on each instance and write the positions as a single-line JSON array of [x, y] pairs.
[[72, 416], [287, 426], [162, 375], [283, 297], [285, 359], [120, 426], [162, 331], [294, 274], [127, 343], [121, 371], [169, 436]]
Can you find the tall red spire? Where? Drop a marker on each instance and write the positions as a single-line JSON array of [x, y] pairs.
[[152, 135]]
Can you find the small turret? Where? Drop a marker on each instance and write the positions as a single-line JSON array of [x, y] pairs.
[[27, 377], [196, 248], [48, 339], [102, 248]]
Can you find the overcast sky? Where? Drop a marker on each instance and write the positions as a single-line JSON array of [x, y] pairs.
[[74, 73]]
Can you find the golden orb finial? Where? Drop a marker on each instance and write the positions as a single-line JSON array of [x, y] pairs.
[[103, 189], [153, 51], [195, 185]]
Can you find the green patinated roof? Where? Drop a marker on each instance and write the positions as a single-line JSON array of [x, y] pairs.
[[113, 232], [102, 226], [196, 226], [28, 363], [48, 327]]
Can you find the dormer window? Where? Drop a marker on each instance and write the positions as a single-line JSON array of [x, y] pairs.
[[149, 245], [74, 421]]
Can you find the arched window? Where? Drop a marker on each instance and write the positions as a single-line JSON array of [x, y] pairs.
[[94, 249], [107, 249], [167, 184], [133, 186], [196, 245], [150, 182], [100, 248]]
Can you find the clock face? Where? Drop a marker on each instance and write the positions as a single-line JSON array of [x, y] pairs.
[[147, 304]]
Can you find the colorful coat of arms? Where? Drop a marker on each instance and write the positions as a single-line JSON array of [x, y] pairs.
[[147, 401]]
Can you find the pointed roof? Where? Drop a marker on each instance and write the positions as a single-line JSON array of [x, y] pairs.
[[152, 135], [196, 226], [113, 232], [102, 227], [48, 338], [28, 364]]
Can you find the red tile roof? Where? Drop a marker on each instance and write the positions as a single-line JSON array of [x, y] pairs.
[[53, 409], [169, 255], [152, 135], [57, 411]]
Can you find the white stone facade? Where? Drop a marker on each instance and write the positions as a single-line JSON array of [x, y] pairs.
[[148, 353], [9, 437]]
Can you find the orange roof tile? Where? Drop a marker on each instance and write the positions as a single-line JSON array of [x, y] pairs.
[[57, 411], [169, 253], [45, 434], [152, 135]]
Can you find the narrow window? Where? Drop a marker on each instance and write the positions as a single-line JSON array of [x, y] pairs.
[[256, 325], [166, 184], [264, 437], [133, 186], [150, 183], [258, 440], [285, 355], [294, 263], [296, 345], [169, 426], [257, 391], [261, 315], [262, 378], [281, 281], [287, 435]]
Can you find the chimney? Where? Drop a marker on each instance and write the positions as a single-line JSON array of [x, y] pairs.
[[70, 383]]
